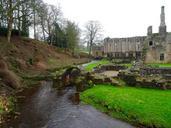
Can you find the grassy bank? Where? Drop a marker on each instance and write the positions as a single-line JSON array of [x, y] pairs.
[[89, 67], [147, 107], [160, 65], [129, 65]]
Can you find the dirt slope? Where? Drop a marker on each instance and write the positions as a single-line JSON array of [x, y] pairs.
[[27, 57], [24, 54]]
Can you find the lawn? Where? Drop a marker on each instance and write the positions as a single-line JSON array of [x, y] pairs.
[[89, 67], [127, 65], [160, 65], [138, 106]]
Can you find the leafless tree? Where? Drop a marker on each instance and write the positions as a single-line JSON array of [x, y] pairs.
[[92, 33], [11, 6], [20, 15]]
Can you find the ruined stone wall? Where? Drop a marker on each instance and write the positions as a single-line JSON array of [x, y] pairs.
[[98, 51], [168, 53], [168, 48], [153, 48], [156, 46], [123, 47]]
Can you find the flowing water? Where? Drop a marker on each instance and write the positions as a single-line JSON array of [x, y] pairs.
[[51, 108]]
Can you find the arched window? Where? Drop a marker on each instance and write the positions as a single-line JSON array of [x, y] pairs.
[[151, 43]]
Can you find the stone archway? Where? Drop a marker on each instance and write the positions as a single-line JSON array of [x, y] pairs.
[[70, 74]]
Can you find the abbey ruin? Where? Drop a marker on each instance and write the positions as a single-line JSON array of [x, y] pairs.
[[155, 47]]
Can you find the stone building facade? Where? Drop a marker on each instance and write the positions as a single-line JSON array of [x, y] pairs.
[[124, 47], [155, 47], [98, 51], [158, 45]]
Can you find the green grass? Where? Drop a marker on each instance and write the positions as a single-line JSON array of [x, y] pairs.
[[138, 106], [94, 64], [127, 65], [160, 65]]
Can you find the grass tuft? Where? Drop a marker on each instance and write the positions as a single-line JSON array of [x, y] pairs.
[[90, 66]]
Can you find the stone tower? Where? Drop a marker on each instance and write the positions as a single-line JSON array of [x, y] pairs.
[[162, 27], [150, 31]]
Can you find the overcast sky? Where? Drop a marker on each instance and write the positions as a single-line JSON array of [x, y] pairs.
[[119, 18]]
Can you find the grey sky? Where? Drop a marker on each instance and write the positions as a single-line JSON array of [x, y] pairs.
[[119, 18]]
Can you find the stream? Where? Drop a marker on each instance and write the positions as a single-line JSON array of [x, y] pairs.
[[51, 108]]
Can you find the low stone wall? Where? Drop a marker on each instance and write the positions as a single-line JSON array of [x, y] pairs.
[[109, 68], [113, 67], [153, 84], [167, 76], [130, 79], [150, 71], [146, 82], [99, 79]]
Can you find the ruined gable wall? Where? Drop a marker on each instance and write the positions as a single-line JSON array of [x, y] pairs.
[[159, 46], [122, 45], [168, 48]]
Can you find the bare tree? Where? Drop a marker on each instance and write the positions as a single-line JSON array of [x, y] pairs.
[[42, 13], [92, 33], [53, 16], [10, 19], [23, 14], [11, 5]]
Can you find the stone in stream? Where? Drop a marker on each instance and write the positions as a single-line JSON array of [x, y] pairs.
[[77, 98]]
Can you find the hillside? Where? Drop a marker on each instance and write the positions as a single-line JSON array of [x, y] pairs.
[[28, 54], [25, 57]]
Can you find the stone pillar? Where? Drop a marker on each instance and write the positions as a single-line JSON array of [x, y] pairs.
[[162, 27], [150, 31]]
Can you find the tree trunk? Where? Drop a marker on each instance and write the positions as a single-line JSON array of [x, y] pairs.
[[34, 20], [49, 32], [10, 21], [90, 47], [43, 29], [19, 22], [9, 29]]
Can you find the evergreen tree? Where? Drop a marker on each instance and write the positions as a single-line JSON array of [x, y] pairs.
[[72, 35]]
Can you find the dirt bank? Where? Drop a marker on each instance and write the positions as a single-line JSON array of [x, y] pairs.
[[25, 57]]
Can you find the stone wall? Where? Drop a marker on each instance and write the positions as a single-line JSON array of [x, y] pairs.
[[156, 45], [123, 47], [168, 50], [151, 71], [109, 68], [98, 51], [145, 82]]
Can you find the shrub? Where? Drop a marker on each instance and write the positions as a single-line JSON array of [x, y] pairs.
[[15, 32]]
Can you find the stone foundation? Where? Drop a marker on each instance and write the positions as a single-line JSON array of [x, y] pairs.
[[151, 71], [146, 82]]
